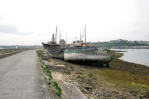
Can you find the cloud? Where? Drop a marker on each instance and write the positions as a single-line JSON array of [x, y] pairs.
[[8, 29], [12, 29], [1, 17]]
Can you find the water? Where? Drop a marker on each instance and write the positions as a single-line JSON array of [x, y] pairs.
[[139, 56]]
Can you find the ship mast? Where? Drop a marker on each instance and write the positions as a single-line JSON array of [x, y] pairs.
[[53, 41], [80, 36], [85, 33], [56, 34]]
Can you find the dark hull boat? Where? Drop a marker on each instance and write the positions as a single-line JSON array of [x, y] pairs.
[[54, 50]]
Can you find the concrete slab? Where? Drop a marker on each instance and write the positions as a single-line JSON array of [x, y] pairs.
[[21, 77]]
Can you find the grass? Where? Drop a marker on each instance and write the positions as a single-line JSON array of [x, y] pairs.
[[47, 71], [39, 52], [125, 79], [126, 74], [58, 89]]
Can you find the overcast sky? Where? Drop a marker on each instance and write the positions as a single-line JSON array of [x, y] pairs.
[[33, 21]]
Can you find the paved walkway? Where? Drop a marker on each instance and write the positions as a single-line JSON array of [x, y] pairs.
[[21, 77]]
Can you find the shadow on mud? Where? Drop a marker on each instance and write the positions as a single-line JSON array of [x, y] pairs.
[[90, 64]]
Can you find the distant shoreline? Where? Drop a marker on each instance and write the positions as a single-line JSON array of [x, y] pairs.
[[126, 66], [8, 52], [138, 56]]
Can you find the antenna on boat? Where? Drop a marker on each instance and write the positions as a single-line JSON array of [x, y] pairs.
[[60, 34], [53, 38], [85, 33]]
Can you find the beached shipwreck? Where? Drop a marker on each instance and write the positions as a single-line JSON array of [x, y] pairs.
[[77, 51]]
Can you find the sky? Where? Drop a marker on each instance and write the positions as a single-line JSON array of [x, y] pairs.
[[30, 22]]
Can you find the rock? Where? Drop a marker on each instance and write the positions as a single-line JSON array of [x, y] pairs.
[[57, 76], [60, 65], [70, 91], [88, 87], [51, 64]]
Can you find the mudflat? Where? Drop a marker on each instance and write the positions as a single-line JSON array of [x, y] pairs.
[[121, 80]]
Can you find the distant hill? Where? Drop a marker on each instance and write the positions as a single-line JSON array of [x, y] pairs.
[[120, 43]]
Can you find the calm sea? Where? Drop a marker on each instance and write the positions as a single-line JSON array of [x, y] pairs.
[[139, 56]]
